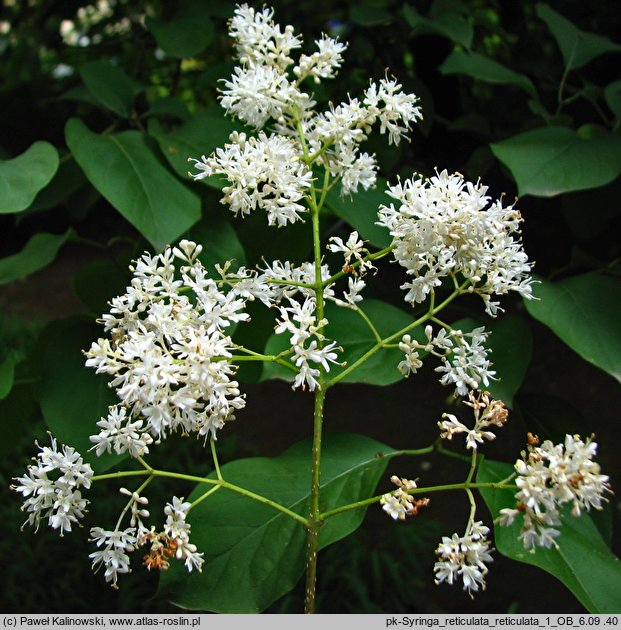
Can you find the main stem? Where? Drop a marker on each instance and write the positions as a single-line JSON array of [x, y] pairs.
[[314, 513]]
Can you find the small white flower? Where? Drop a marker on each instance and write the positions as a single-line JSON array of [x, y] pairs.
[[487, 413], [51, 487], [550, 476], [464, 557], [114, 555]]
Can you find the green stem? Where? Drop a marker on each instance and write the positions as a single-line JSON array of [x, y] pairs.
[[153, 472], [374, 256], [379, 345], [428, 490], [212, 444]]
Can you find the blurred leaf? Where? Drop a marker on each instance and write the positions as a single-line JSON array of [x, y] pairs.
[[583, 311], [553, 160], [368, 15], [187, 32], [111, 86], [351, 332], [7, 375], [582, 561], [68, 178], [254, 554], [577, 47], [202, 134], [612, 94], [97, 282], [24, 176], [73, 397], [38, 252], [16, 410], [445, 20], [360, 211], [485, 69], [126, 171], [169, 106], [548, 416]]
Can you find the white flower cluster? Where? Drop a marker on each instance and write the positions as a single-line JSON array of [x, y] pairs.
[[487, 413], [168, 353], [464, 557], [52, 487], [178, 531], [174, 540], [267, 86], [116, 545], [400, 503], [463, 355], [264, 172], [445, 226], [550, 476], [298, 319]]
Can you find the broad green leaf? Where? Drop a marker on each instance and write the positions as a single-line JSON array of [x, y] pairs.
[[253, 553], [38, 252], [612, 94], [584, 312], [124, 168], [353, 334], [485, 69], [582, 561], [202, 134], [73, 397], [111, 86], [68, 179], [577, 47], [553, 160], [445, 21], [7, 375], [360, 211], [511, 344], [24, 176], [187, 32]]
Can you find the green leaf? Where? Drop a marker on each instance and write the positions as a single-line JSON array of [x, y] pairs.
[[584, 312], [111, 86], [253, 553], [582, 561], [73, 397], [485, 69], [24, 176], [351, 332], [125, 170], [200, 135], [68, 179], [553, 160], [612, 94], [360, 211], [38, 252], [447, 21], [577, 47], [549, 417], [186, 33], [511, 344], [7, 375]]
